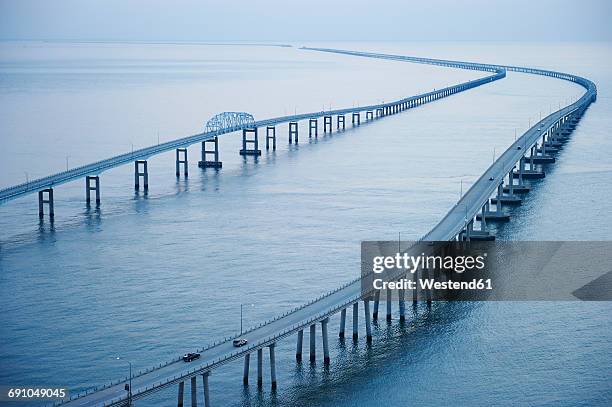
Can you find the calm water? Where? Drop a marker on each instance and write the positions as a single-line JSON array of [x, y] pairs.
[[150, 277]]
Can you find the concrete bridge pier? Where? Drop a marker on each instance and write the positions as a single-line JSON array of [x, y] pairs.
[[402, 305], [144, 173], [511, 198], [194, 392], [313, 124], [342, 323], [389, 300], [259, 367], [356, 118], [48, 201], [313, 345], [246, 141], [206, 389], [272, 365], [415, 278], [181, 160], [181, 390], [355, 321], [214, 152], [271, 137], [89, 187], [369, 115], [368, 322], [245, 370], [300, 341], [376, 305], [379, 112], [532, 172], [325, 341], [340, 119], [293, 132], [327, 123], [521, 187]]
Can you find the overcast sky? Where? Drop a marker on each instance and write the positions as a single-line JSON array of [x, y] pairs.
[[294, 20]]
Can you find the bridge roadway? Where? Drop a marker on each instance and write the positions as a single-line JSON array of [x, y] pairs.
[[318, 310], [97, 168]]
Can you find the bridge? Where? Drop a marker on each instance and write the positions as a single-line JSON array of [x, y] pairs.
[[503, 183]]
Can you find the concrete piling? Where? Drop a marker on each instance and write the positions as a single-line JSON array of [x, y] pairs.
[[368, 323], [340, 120], [259, 367], [312, 338], [144, 173], [313, 124], [214, 152], [181, 390], [389, 299], [206, 389], [245, 370], [89, 180], [181, 158], [246, 142], [194, 394], [342, 323], [376, 304], [272, 365], [355, 321], [325, 341], [300, 340], [271, 137], [293, 132], [327, 123]]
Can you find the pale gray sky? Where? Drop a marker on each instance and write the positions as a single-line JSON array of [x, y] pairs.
[[288, 20]]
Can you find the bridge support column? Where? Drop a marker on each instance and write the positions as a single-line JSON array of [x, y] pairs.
[[89, 187], [368, 322], [402, 305], [342, 323], [312, 338], [272, 366], [138, 173], [313, 124], [355, 321], [259, 367], [181, 160], [369, 115], [194, 394], [327, 122], [214, 163], [181, 390], [271, 137], [293, 132], [376, 304], [245, 370], [340, 119], [379, 112], [300, 340], [206, 389], [389, 299], [325, 341], [414, 292], [356, 119], [253, 141]]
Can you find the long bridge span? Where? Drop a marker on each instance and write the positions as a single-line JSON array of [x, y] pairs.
[[499, 185]]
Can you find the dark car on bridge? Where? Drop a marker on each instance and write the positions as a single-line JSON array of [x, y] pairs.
[[238, 342], [188, 357]]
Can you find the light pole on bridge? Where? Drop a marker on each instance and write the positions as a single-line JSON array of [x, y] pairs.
[[129, 386]]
